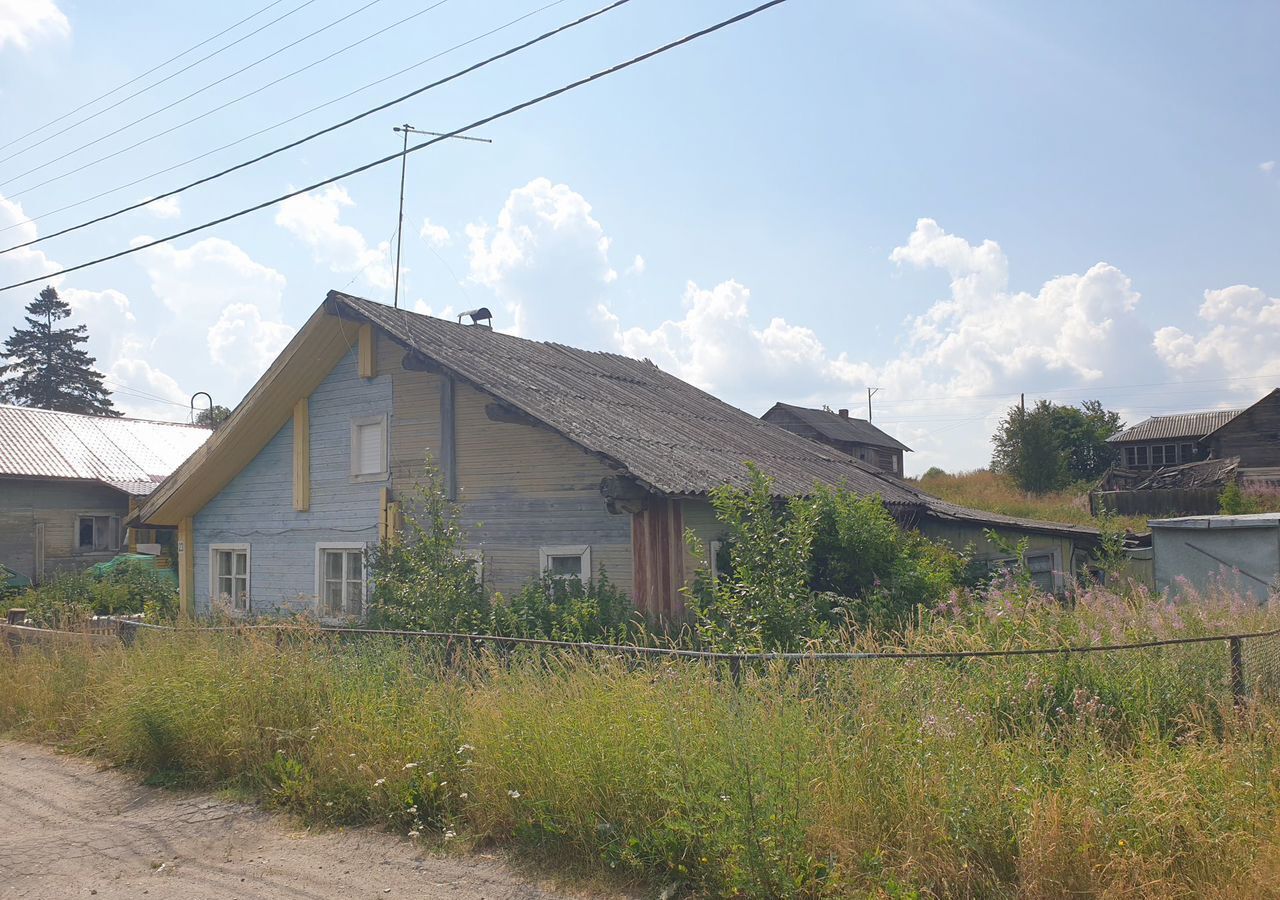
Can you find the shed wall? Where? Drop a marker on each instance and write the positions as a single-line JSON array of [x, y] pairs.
[[27, 502], [1206, 558]]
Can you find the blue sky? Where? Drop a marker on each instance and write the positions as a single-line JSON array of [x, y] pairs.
[[952, 202]]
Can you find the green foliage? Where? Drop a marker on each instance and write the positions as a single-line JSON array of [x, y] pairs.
[[1049, 446], [213, 416], [422, 580], [71, 598], [766, 602], [46, 366], [1110, 555], [881, 572], [934, 472], [567, 609]]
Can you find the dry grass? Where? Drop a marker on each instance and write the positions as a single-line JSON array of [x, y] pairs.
[[983, 489], [1100, 775]]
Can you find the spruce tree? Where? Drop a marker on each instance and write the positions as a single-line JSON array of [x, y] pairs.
[[46, 367]]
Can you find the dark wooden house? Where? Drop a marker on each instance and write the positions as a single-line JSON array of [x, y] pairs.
[[856, 437], [1252, 435]]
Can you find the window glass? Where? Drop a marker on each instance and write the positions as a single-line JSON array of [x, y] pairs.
[[565, 565], [86, 532], [1040, 565], [232, 580], [1141, 455], [342, 585]]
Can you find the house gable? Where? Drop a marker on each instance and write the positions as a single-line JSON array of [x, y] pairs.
[[256, 507]]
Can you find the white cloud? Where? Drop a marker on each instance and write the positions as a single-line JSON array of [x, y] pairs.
[[131, 377], [22, 21], [637, 266], [197, 282], [433, 234], [546, 254], [314, 219], [246, 343], [29, 262], [165, 208], [1241, 340], [1267, 167]]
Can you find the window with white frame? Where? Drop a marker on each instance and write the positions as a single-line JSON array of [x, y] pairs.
[[97, 533], [340, 580], [369, 448], [229, 575], [566, 561]]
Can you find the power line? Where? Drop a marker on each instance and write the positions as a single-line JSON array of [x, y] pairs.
[[234, 100], [255, 134], [136, 93], [154, 68], [596, 76], [437, 83], [174, 103]]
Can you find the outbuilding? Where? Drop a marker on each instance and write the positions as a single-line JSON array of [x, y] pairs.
[[1203, 550]]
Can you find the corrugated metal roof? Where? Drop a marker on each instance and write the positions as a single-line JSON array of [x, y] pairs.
[[133, 455], [836, 427], [1182, 425]]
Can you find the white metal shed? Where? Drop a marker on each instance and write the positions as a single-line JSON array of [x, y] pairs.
[[1205, 548]]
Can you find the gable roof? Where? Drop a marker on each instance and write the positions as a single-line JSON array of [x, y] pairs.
[[666, 433], [1182, 425], [836, 427], [131, 455], [1273, 394]]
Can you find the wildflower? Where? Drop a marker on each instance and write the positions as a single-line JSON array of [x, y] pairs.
[[380, 782], [465, 748], [352, 755], [329, 803], [449, 833], [514, 795], [462, 796], [443, 783], [1121, 842], [724, 797], [414, 833], [413, 809], [410, 766]]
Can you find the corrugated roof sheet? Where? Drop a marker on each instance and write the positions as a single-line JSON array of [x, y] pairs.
[[1182, 425], [133, 455], [836, 427], [663, 431]]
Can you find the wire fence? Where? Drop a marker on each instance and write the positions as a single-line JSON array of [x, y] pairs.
[[1249, 662]]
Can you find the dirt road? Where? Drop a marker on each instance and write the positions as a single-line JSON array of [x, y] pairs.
[[69, 830]]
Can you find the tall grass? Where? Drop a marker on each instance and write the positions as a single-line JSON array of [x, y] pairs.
[[1102, 774], [984, 489]]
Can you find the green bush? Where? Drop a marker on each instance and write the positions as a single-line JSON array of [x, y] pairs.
[[71, 598], [567, 609]]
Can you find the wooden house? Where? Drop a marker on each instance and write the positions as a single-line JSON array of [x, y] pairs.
[[856, 437], [561, 460], [68, 482], [1251, 434]]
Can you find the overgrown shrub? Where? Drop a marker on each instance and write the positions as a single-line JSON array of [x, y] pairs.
[[71, 598], [567, 609], [422, 579], [1235, 500]]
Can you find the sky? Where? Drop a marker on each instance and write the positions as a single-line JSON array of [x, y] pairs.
[[956, 203]]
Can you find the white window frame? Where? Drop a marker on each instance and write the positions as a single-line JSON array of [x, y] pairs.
[[580, 550], [214, 594], [345, 547], [356, 424]]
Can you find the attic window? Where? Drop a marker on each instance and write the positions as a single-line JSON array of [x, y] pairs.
[[369, 448]]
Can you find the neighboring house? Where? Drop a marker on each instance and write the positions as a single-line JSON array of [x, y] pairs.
[[68, 483], [856, 437], [562, 460], [1251, 434]]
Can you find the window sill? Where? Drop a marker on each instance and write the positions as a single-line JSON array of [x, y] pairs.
[[369, 479]]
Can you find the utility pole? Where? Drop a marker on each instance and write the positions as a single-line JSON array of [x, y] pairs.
[[871, 392], [407, 130]]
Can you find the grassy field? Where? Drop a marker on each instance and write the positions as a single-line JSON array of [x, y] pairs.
[[983, 489], [1094, 775]]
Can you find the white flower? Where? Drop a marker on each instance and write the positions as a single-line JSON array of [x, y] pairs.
[[411, 765], [379, 782], [330, 803], [414, 833], [462, 796], [724, 797], [465, 747], [413, 809], [514, 795], [449, 833]]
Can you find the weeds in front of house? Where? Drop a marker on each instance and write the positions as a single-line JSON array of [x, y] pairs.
[[1033, 776]]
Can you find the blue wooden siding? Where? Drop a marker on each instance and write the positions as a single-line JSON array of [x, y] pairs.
[[256, 507]]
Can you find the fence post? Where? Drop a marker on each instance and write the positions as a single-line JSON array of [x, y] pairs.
[[1237, 671], [735, 669]]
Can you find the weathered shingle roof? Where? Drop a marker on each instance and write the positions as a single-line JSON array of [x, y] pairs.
[[133, 455], [1182, 425], [836, 427], [665, 432]]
